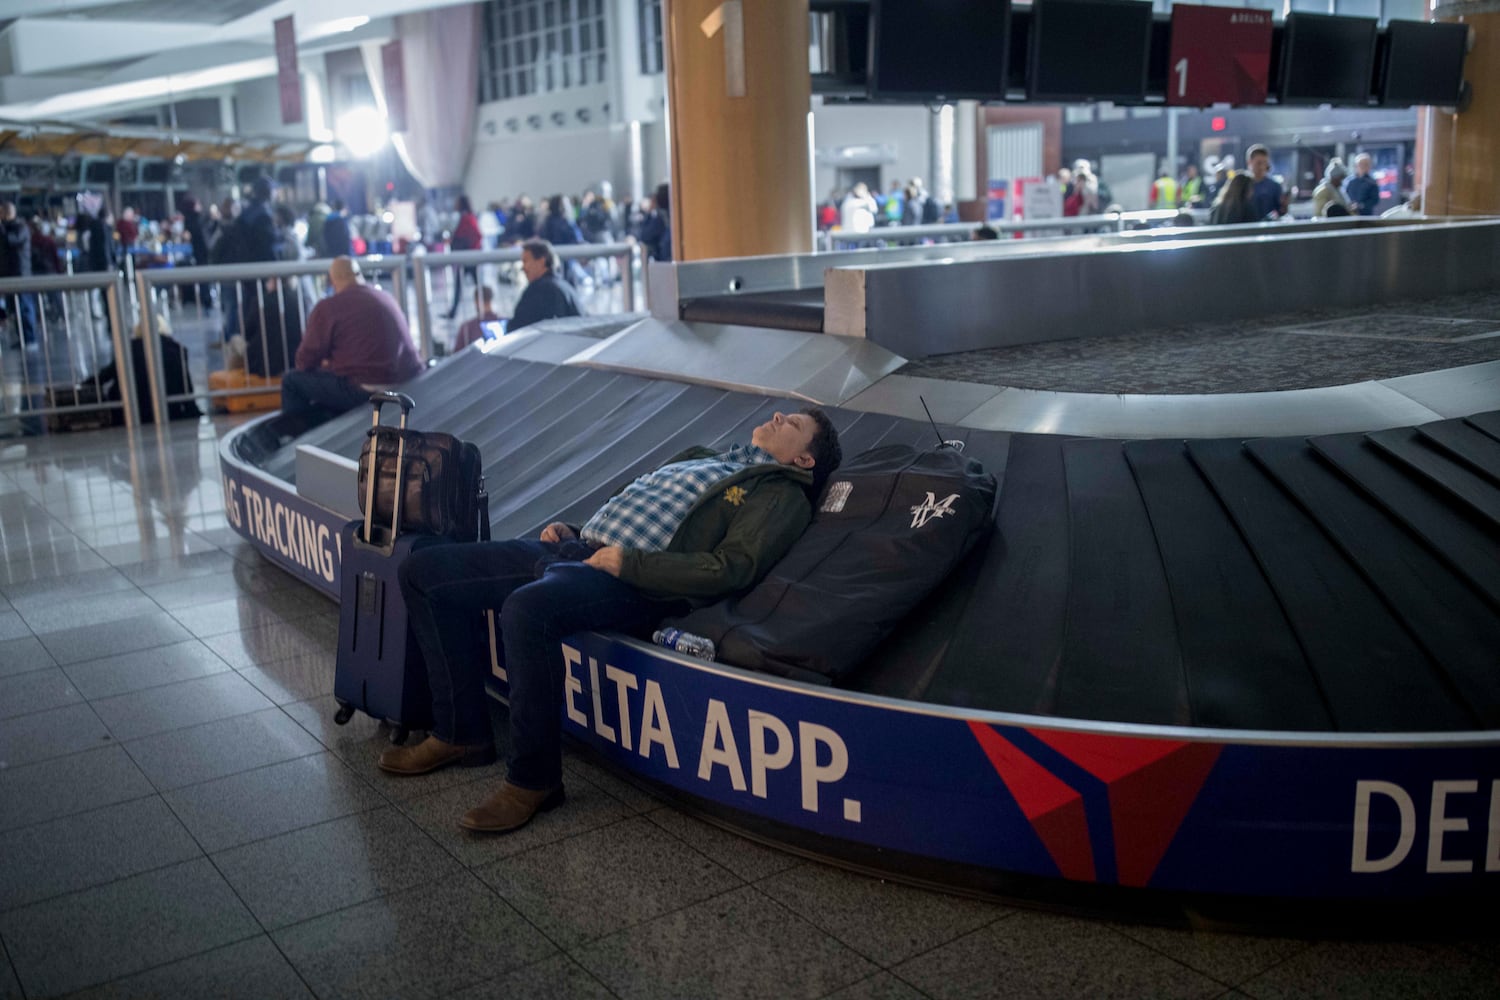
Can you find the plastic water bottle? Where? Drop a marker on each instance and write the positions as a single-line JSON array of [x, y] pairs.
[[684, 642]]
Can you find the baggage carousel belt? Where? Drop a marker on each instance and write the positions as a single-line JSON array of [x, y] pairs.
[[1287, 584]]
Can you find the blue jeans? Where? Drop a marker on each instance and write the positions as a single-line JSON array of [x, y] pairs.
[[311, 398], [544, 593], [25, 304]]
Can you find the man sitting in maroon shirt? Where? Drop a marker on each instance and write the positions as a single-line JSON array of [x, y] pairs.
[[356, 341]]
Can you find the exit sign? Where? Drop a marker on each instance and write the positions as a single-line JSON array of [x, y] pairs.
[[1218, 55]]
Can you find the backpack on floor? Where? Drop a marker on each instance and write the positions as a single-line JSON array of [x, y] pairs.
[[893, 523]]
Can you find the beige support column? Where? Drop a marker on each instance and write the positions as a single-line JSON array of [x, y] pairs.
[[739, 93], [1458, 153]]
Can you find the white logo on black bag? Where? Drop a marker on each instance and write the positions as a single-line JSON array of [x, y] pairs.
[[836, 497], [932, 508]]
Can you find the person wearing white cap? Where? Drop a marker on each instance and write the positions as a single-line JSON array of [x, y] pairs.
[[1328, 197]]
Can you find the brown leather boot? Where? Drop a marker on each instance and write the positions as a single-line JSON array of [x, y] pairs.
[[511, 808], [432, 753]]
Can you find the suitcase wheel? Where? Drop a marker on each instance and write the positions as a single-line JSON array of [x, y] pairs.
[[399, 734], [344, 714]]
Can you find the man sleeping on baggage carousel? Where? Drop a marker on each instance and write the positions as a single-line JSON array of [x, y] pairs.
[[702, 527]]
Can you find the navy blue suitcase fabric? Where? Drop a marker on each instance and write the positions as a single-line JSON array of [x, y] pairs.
[[379, 668]]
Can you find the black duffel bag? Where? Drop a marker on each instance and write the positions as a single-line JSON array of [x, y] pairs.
[[894, 522], [441, 493]]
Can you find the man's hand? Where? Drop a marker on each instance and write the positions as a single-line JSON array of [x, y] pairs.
[[609, 559], [557, 532]]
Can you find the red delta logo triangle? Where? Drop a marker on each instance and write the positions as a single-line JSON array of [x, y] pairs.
[[1054, 809], [1152, 785], [1250, 71]]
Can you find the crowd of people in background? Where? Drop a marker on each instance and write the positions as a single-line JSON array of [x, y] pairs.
[[1218, 193], [906, 204], [263, 228]]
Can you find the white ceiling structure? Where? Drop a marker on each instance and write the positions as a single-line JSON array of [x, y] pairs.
[[84, 59]]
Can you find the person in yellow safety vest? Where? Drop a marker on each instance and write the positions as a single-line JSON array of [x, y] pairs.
[[1164, 190], [1191, 193]]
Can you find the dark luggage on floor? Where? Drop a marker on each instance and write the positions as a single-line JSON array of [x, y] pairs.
[[379, 668], [177, 381], [893, 523], [86, 394]]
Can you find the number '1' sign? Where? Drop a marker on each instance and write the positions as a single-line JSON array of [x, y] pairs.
[[1219, 55]]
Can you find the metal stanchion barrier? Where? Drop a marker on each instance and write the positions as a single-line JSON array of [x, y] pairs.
[[52, 366]]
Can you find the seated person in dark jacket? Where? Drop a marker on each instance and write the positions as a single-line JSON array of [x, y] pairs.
[[547, 295], [176, 378], [705, 526]]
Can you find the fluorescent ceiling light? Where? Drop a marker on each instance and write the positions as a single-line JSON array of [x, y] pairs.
[[363, 131]]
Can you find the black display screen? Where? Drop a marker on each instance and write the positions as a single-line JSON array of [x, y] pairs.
[[1089, 50], [1327, 59], [929, 50], [1424, 63]]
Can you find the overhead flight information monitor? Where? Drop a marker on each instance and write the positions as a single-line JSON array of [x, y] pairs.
[[929, 50], [1424, 63], [1219, 55], [1327, 59], [1089, 50]]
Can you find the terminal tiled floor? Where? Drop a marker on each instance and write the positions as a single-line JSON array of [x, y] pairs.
[[179, 817]]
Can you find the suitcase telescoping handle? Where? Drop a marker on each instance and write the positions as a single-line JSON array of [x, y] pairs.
[[377, 400]]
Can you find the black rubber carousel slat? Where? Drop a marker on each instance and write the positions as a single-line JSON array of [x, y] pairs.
[[592, 475], [443, 396], [1120, 657], [512, 419], [1362, 656], [1487, 422], [480, 403], [990, 449], [1244, 667], [539, 472], [1456, 627], [1405, 444], [557, 418], [858, 432], [1006, 648], [1446, 526], [1466, 443], [610, 423], [740, 432]]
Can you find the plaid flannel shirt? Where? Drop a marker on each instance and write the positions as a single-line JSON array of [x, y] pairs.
[[647, 513]]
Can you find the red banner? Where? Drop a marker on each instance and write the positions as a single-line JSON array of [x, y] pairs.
[[288, 80], [395, 86]]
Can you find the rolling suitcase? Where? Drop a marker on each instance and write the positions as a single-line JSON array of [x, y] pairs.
[[379, 668]]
